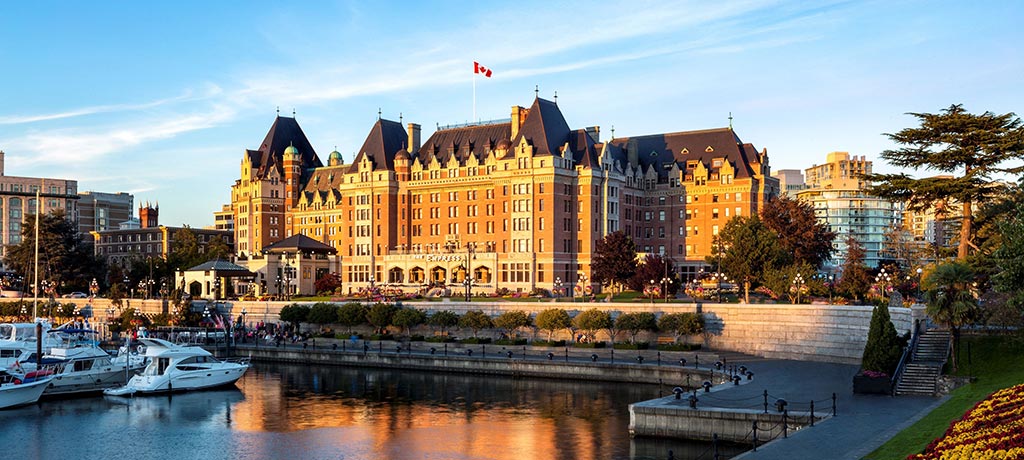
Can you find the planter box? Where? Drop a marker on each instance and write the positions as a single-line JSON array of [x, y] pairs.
[[863, 384]]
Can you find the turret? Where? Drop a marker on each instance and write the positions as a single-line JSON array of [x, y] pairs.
[[292, 175]]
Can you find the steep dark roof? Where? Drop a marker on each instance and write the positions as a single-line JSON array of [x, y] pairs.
[[299, 243], [284, 132], [584, 148], [463, 140], [220, 266], [661, 149], [386, 138], [544, 128]]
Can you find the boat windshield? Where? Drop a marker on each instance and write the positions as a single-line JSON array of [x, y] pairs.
[[157, 367]]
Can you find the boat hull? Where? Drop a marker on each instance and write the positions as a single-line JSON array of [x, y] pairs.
[[12, 395], [187, 380]]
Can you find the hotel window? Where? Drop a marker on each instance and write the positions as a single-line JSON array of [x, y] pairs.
[[714, 230], [714, 213], [661, 216]]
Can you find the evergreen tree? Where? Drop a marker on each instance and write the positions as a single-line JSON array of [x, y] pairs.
[[1010, 257], [614, 260], [971, 147], [951, 300], [63, 258], [855, 280], [883, 349]]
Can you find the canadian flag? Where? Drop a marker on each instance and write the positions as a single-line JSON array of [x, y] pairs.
[[477, 68]]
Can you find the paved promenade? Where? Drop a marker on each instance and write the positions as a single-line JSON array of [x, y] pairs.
[[862, 423]]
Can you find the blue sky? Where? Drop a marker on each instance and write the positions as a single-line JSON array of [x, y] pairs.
[[160, 98]]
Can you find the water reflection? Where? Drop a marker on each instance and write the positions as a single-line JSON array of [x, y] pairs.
[[305, 412], [386, 414]]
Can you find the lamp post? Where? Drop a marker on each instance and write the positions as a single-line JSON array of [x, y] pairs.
[[216, 287], [882, 279], [919, 271], [665, 282], [798, 285], [583, 284], [558, 286], [245, 325], [24, 311], [94, 288], [831, 285], [469, 286], [651, 290]]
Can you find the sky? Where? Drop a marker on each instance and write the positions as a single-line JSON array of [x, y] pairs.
[[160, 99]]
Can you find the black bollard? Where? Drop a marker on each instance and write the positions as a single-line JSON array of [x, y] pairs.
[[755, 435], [446, 349], [593, 357], [509, 353], [678, 392], [696, 361], [692, 400], [671, 456], [566, 355], [334, 347], [812, 412], [524, 352], [380, 347], [613, 356], [639, 359], [433, 350], [551, 356], [707, 386], [659, 358], [766, 401], [785, 424], [469, 352], [714, 446], [833, 404], [682, 362], [483, 351], [398, 349]]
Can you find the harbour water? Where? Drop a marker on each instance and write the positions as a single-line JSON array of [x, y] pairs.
[[302, 412]]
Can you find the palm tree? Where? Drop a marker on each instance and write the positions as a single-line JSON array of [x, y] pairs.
[[951, 300]]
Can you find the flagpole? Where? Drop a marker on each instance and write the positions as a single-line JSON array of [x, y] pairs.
[[474, 96]]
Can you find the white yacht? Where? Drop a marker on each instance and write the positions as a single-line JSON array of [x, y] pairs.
[[179, 368], [84, 368], [17, 389], [18, 342]]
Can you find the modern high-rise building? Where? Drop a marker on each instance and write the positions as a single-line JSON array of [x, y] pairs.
[[517, 203], [840, 199], [791, 181], [18, 200], [99, 211]]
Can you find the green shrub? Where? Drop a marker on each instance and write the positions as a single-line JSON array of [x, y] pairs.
[[510, 342], [476, 340], [382, 337], [439, 339], [416, 338], [632, 346], [548, 343], [679, 346], [882, 351], [590, 345]]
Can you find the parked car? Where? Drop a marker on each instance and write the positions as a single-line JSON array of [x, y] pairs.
[[75, 295]]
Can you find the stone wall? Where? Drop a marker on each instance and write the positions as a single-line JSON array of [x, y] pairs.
[[833, 333], [670, 418]]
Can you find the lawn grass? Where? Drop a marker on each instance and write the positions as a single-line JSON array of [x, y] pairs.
[[996, 361]]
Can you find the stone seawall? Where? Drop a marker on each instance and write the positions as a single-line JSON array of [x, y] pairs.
[[832, 333], [670, 418], [513, 367]]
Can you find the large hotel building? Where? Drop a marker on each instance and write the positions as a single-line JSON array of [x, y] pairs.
[[517, 204]]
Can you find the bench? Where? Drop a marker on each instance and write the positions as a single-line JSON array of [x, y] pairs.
[[666, 340]]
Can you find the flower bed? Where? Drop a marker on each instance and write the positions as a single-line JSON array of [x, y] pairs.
[[993, 429]]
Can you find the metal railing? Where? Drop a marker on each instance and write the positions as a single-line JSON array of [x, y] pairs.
[[908, 355]]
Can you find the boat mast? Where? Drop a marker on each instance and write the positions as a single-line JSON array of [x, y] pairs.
[[35, 282]]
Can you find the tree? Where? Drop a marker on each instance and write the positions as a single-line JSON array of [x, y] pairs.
[[186, 253], [614, 260], [351, 314], [553, 319], [747, 249], [654, 268], [322, 313], [1008, 257], [883, 349], [950, 299], [295, 314], [512, 321], [804, 238], [593, 320], [217, 248], [971, 147], [681, 324], [633, 323], [408, 318], [780, 280], [63, 258], [855, 279], [475, 320], [442, 320], [380, 315], [328, 283]]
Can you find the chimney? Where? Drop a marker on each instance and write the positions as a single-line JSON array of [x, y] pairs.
[[518, 116], [595, 134], [1, 162], [414, 138], [633, 153]]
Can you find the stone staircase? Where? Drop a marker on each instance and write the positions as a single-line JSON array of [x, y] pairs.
[[922, 372]]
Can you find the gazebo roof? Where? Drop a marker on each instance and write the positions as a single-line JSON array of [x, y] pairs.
[[299, 243], [222, 268]]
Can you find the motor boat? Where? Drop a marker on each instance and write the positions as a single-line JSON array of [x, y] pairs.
[[17, 389], [18, 342], [81, 367], [180, 368]]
